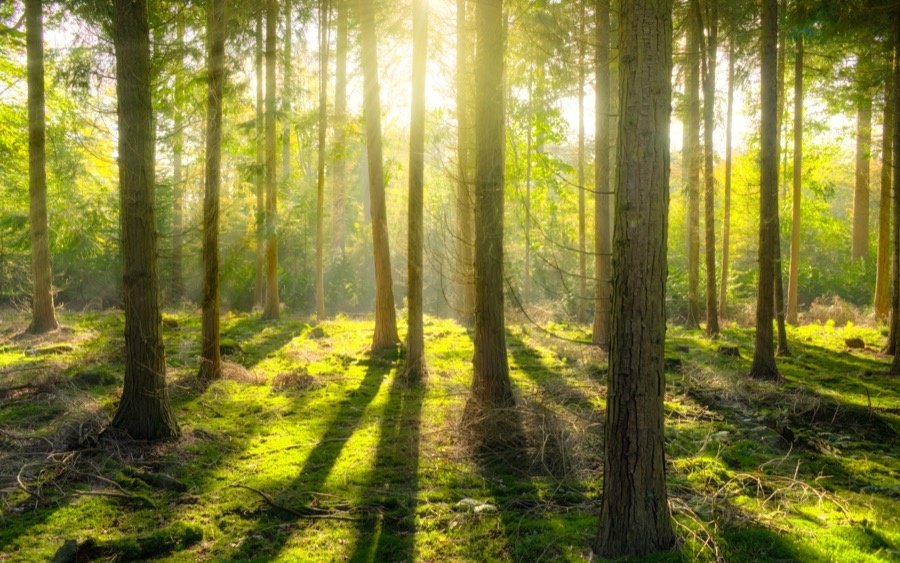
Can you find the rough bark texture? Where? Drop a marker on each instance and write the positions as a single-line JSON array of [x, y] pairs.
[[726, 198], [860, 250], [634, 513], [883, 263], [602, 246], [709, 12], [176, 288], [385, 316], [797, 192], [143, 410], [491, 387], [581, 310], [764, 351], [415, 339], [691, 159], [43, 315], [338, 202], [259, 176], [464, 208], [893, 344], [324, 10], [211, 359], [271, 309]]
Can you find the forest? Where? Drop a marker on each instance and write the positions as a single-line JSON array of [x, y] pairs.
[[450, 280]]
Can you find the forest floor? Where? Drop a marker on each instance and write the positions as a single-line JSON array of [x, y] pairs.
[[315, 450]]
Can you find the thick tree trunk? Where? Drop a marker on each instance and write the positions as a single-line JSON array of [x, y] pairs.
[[385, 314], [339, 203], [860, 249], [883, 264], [710, 13], [176, 288], [271, 310], [634, 514], [415, 339], [143, 411], [43, 315], [764, 351], [464, 182], [797, 193], [324, 10], [211, 360], [893, 344], [582, 218], [726, 199], [602, 246], [691, 167], [259, 176], [491, 386]]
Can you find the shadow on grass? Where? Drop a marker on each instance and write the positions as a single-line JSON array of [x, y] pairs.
[[275, 336]]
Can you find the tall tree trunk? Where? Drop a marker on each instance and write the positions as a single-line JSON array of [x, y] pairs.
[[764, 351], [464, 208], [415, 340], [529, 147], [893, 344], [782, 346], [143, 412], [339, 203], [177, 283], [883, 268], [43, 315], [797, 194], [491, 386], [271, 310], [385, 315], [324, 11], [860, 249], [634, 513], [726, 200], [259, 176], [602, 247], [709, 11], [211, 360], [691, 167], [582, 219]]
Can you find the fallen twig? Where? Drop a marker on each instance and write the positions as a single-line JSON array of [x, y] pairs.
[[323, 515]]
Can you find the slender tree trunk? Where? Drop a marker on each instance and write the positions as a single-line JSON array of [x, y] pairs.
[[491, 386], [797, 195], [271, 310], [339, 198], [861, 187], [782, 346], [764, 351], [691, 167], [529, 146], [415, 340], [602, 246], [211, 360], [259, 176], [726, 200], [43, 315], [634, 513], [464, 208], [710, 12], [385, 314], [582, 218], [893, 345], [883, 267], [143, 412], [324, 11], [177, 283]]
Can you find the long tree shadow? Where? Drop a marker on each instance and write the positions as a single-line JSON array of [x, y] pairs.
[[268, 540], [391, 536]]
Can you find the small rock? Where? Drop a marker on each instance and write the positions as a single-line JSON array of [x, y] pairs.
[[485, 508], [855, 343]]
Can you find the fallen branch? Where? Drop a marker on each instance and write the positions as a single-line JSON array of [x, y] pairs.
[[310, 513]]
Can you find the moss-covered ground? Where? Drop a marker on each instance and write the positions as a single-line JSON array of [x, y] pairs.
[[317, 451]]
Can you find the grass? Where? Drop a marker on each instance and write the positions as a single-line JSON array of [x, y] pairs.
[[801, 470]]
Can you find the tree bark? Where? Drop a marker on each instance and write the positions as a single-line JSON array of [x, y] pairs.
[[710, 13], [177, 283], [797, 194], [582, 213], [324, 10], [339, 168], [259, 176], [211, 360], [491, 386], [415, 339], [726, 199], [43, 314], [894, 337], [464, 208], [883, 266], [602, 246], [529, 148], [385, 315], [271, 310], [860, 250], [763, 366], [691, 167], [634, 514], [143, 411]]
